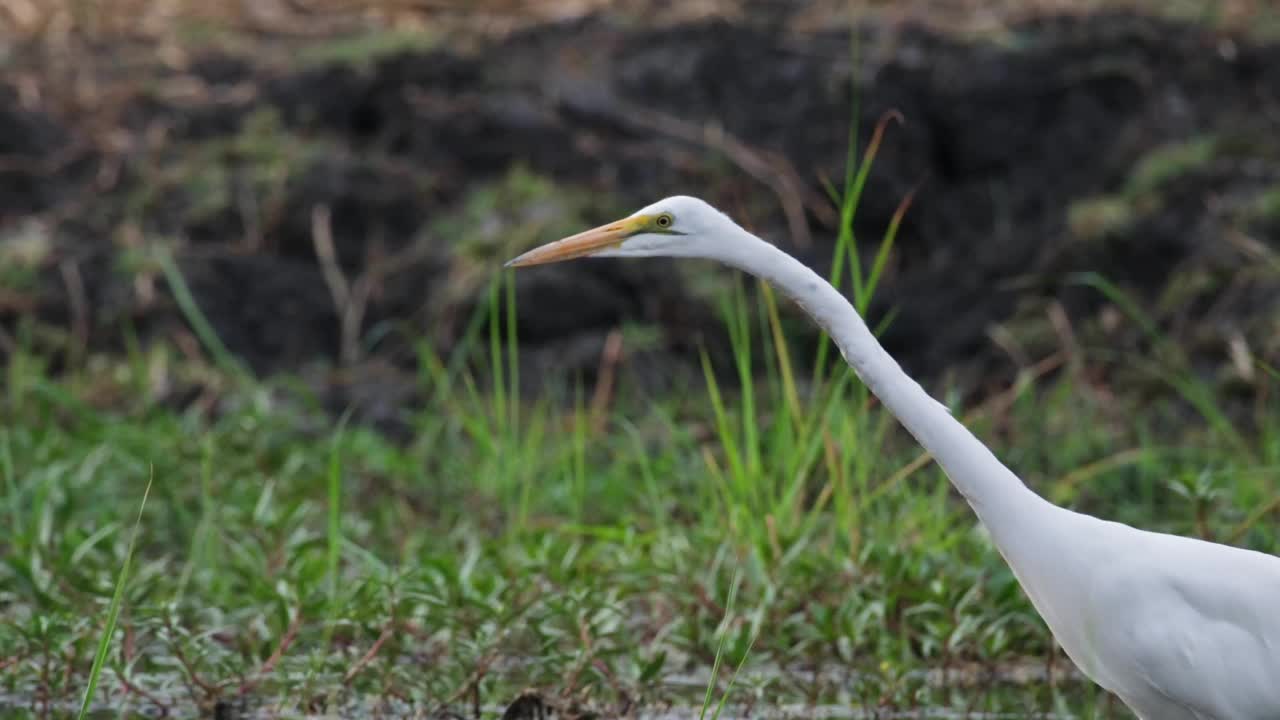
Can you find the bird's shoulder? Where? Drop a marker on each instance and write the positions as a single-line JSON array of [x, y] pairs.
[[1174, 614], [1186, 574]]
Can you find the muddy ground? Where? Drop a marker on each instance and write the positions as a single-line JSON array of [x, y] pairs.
[[1144, 150]]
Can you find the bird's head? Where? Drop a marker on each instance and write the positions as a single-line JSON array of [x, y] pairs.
[[678, 226]]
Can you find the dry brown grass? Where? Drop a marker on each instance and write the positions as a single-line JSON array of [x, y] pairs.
[[992, 16], [88, 52], [54, 21]]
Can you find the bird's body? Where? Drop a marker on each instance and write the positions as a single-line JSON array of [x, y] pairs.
[[1176, 627], [1182, 628]]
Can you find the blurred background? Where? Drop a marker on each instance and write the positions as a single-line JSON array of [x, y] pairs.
[[426, 141], [225, 225]]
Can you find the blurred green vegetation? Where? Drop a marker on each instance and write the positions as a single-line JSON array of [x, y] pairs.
[[363, 50], [293, 559]]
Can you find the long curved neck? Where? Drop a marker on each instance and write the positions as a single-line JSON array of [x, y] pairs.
[[994, 492]]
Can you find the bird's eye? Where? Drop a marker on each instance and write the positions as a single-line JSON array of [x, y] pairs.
[[664, 220]]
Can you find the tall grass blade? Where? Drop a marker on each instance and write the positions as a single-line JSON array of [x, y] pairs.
[[495, 354], [724, 635], [113, 612], [850, 207], [333, 555], [513, 350], [737, 670], [886, 246], [784, 357], [846, 240]]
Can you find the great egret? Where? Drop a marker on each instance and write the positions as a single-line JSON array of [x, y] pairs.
[[1178, 628]]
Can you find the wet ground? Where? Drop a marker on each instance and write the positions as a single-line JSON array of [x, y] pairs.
[[962, 691], [530, 711], [1140, 149], [535, 706]]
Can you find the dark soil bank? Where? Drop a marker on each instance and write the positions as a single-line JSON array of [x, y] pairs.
[[1145, 151]]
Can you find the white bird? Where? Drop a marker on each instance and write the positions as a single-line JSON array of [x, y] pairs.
[[1178, 628]]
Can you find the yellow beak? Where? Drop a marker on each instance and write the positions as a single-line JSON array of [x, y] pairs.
[[584, 243]]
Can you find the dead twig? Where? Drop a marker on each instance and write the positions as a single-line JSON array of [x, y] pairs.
[[129, 687], [610, 358], [190, 676], [1238, 531], [770, 169], [584, 636], [348, 303], [351, 299], [369, 655], [270, 664], [128, 648], [472, 684], [1000, 404]]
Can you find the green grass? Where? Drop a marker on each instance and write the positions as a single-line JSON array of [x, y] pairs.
[[1170, 162], [782, 525], [1266, 206], [484, 557]]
